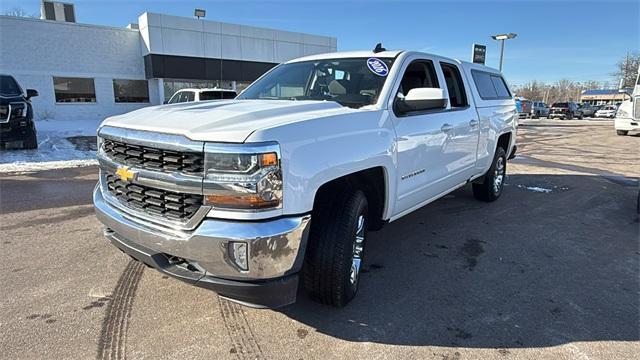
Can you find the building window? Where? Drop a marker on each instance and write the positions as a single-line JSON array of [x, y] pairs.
[[130, 91], [74, 90]]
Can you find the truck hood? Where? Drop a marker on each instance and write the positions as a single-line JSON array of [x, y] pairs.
[[223, 120]]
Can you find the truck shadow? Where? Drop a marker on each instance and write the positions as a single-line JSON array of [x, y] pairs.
[[536, 268]]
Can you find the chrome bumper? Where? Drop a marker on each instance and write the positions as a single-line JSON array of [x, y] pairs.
[[276, 247]]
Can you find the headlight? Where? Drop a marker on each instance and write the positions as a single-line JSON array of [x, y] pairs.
[[622, 114], [243, 177]]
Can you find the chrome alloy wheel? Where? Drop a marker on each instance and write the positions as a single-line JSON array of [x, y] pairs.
[[498, 176], [358, 247]]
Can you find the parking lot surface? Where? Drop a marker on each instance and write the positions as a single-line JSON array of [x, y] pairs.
[[550, 271]]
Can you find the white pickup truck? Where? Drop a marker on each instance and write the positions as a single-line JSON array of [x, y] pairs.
[[250, 197], [627, 118]]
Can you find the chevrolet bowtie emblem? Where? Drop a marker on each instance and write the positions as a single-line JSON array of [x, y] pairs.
[[125, 174]]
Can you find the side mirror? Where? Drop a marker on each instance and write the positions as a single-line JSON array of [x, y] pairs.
[[31, 93], [422, 99]]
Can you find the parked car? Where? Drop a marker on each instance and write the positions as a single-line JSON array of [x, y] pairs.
[[248, 197], [565, 110], [187, 95], [524, 108], [607, 111], [16, 114], [588, 110], [540, 109]]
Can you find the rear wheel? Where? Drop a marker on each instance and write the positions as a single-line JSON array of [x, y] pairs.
[[622, 132], [335, 249], [493, 181]]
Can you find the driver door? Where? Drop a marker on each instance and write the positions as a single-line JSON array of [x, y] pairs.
[[436, 148]]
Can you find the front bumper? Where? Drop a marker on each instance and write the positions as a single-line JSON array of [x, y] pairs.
[[626, 124], [16, 130], [200, 256]]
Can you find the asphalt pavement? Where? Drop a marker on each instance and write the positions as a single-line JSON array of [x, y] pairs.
[[550, 271]]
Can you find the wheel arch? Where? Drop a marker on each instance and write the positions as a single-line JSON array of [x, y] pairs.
[[373, 181]]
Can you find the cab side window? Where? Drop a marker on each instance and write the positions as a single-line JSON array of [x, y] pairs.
[[419, 74], [455, 85]]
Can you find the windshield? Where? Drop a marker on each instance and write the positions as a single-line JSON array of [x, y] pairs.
[[560, 105], [9, 87], [349, 82]]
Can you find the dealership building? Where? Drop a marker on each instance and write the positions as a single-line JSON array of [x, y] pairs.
[[605, 96], [89, 72]]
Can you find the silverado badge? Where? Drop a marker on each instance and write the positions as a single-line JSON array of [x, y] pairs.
[[125, 174]]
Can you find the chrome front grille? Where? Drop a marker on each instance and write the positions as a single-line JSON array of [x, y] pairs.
[[145, 157], [636, 107], [158, 202]]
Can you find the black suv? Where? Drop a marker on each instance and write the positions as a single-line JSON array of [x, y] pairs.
[[565, 110], [16, 114]]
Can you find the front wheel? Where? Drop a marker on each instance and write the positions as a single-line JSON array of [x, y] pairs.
[[622, 132], [335, 249], [493, 181]]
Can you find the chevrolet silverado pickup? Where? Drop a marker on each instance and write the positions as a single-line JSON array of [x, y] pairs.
[[279, 187]]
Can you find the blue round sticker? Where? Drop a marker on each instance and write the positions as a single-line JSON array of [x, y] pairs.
[[377, 66]]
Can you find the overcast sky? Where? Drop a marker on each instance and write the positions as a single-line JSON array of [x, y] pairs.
[[577, 40]]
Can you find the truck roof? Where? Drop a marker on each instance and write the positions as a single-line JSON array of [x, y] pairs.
[[387, 54], [206, 89]]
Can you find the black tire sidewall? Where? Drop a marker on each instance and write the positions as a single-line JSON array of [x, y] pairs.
[[352, 289]]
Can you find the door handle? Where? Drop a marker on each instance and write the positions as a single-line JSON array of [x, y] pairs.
[[473, 123], [446, 127]]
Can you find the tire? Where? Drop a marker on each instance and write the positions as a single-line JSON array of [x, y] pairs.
[[493, 181], [570, 116], [335, 248], [622, 132], [31, 142]]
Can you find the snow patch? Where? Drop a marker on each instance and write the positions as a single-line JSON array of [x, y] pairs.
[[536, 189], [54, 150], [21, 167]]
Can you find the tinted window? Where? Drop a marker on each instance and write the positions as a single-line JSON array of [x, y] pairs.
[[484, 85], [74, 90], [229, 95], [188, 96], [216, 95], [455, 85], [130, 91], [490, 86], [9, 86], [174, 99], [560, 105], [501, 87]]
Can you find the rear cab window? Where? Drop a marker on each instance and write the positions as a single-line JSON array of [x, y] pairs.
[[490, 86], [217, 95]]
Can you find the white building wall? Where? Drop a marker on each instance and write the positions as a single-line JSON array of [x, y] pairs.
[[34, 51], [174, 35]]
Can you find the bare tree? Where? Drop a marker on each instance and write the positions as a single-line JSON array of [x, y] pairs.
[[560, 91], [627, 70], [20, 12]]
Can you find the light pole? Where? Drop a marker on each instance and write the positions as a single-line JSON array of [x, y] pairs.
[[502, 38]]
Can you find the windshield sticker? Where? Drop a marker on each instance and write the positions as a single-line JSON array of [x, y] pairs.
[[377, 67]]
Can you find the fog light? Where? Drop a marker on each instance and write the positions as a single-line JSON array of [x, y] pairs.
[[239, 253]]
